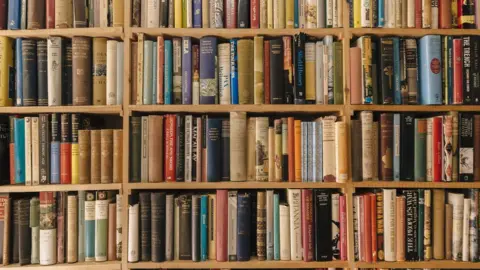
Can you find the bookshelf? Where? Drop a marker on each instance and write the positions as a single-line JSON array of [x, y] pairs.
[[111, 265]]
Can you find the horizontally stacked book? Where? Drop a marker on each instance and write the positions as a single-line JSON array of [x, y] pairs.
[[238, 14], [186, 148], [237, 225], [416, 225], [60, 71], [61, 149], [405, 146], [434, 14], [41, 14], [432, 70], [60, 227], [242, 71]]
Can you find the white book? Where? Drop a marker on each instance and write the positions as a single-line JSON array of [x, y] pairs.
[[365, 18], [336, 223], [294, 203], [270, 19], [367, 144], [112, 72], [101, 232], [325, 70], [329, 13], [232, 225], [48, 244], [435, 14], [133, 232], [72, 226], [398, 13], [118, 224], [328, 42], [429, 151], [176, 238], [390, 14], [269, 222], [188, 148], [103, 13], [321, 13], [284, 237], [169, 216], [466, 230], [276, 14], [35, 231], [224, 72], [144, 161], [81, 226], [457, 201], [28, 151], [35, 152], [410, 13], [153, 13], [389, 221], [319, 72], [341, 160], [238, 151], [329, 157], [54, 64], [375, 150], [189, 13], [120, 72]]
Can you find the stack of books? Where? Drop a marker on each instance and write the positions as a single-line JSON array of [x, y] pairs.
[[60, 227], [186, 148], [237, 225]]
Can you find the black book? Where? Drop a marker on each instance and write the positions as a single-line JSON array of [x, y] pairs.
[[276, 72], [407, 150], [65, 128], [55, 127], [15, 232], [196, 228], [195, 143], [75, 126], [145, 226], [4, 152], [214, 149], [163, 13], [42, 74], [374, 72], [24, 237], [158, 203], [467, 70], [465, 142], [180, 149], [288, 72], [185, 248], [67, 82], [225, 150], [44, 141], [468, 11], [253, 223], [243, 226], [135, 148], [386, 70], [243, 15], [29, 60], [299, 60], [475, 70], [357, 166], [411, 229], [323, 224], [284, 153]]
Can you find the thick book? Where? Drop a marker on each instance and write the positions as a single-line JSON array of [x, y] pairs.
[[430, 62], [208, 71], [145, 226], [466, 150], [185, 248], [276, 72], [245, 57], [323, 227]]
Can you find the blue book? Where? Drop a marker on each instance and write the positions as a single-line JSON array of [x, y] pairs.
[[243, 226], [397, 92], [204, 228], [168, 75], [90, 225], [214, 149], [154, 74], [276, 227], [295, 14], [233, 71], [396, 146], [14, 14], [208, 68], [19, 150], [18, 72], [187, 71], [430, 54], [381, 13], [55, 150], [318, 177], [147, 72], [197, 13]]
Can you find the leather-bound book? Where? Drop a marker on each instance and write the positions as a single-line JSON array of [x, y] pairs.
[[386, 146], [196, 228], [155, 146], [61, 225], [448, 231], [158, 203], [80, 10], [261, 225], [72, 227], [82, 71], [63, 14], [466, 145], [65, 150], [145, 226], [4, 153], [245, 71], [75, 124], [438, 227], [185, 247], [386, 63], [266, 71], [276, 72], [99, 71], [180, 149], [106, 159], [221, 222], [118, 155], [14, 236], [323, 228], [411, 220], [24, 238], [84, 156], [95, 156], [35, 14], [112, 220], [476, 145], [29, 59], [135, 148], [3, 14], [67, 86], [42, 83], [243, 226], [400, 228]]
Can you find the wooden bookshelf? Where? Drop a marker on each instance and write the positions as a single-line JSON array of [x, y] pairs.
[[411, 32], [443, 264], [250, 108], [111, 109], [110, 32], [412, 184], [58, 187], [415, 108], [232, 185], [108, 265]]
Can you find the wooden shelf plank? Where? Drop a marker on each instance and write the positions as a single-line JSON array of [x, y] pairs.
[[232, 185], [234, 33], [112, 109], [256, 264], [59, 187], [109, 265], [238, 108], [411, 184], [111, 32], [415, 108], [443, 264], [412, 32]]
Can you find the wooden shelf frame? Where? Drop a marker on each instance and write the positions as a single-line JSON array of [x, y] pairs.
[[59, 187], [108, 265], [104, 109], [109, 32]]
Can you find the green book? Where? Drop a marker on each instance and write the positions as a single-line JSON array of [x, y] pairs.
[[101, 226], [185, 13], [420, 223], [337, 73], [420, 149], [35, 227]]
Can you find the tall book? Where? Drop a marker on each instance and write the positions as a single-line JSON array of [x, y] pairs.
[[208, 71], [101, 225], [82, 70], [48, 229], [54, 56]]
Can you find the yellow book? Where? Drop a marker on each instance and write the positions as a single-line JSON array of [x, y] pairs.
[[75, 163], [310, 85], [118, 10], [6, 65], [259, 97], [289, 11], [178, 14], [357, 13], [269, 14], [245, 71]]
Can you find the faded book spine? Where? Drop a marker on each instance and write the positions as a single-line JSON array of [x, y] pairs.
[[81, 70], [54, 51], [72, 228]]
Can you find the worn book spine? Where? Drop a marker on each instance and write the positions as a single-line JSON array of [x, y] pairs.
[[258, 75], [48, 228], [307, 225], [457, 202], [65, 150], [63, 14], [177, 71], [208, 71], [261, 225], [106, 160], [117, 156], [386, 144], [400, 228], [54, 51], [111, 246], [232, 226], [118, 227], [341, 171], [28, 151], [61, 200], [6, 231], [95, 156], [261, 138], [81, 226], [42, 78], [29, 72], [111, 72], [80, 10], [24, 233], [133, 228], [99, 71], [158, 205], [34, 227], [466, 145], [101, 225], [72, 228], [389, 207], [89, 226], [67, 98], [82, 70], [224, 73], [145, 226], [245, 57]]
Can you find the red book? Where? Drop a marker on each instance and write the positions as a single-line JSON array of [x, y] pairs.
[[231, 13], [12, 163], [222, 225], [307, 225], [418, 13], [160, 68], [254, 13], [368, 228], [50, 13], [459, 13], [196, 68], [170, 147], [437, 148], [373, 222], [444, 14], [343, 229], [291, 149], [266, 70], [457, 71], [65, 163], [361, 222], [3, 14]]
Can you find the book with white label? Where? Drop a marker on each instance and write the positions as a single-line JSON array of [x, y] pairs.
[[389, 221], [457, 201]]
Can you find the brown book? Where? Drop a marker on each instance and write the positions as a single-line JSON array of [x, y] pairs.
[[445, 16], [251, 149], [118, 11], [95, 146], [155, 146], [400, 228], [99, 71], [63, 13], [84, 157], [80, 14], [106, 159], [476, 145], [36, 14], [261, 225], [112, 231], [6, 231], [82, 71], [386, 147], [355, 75], [245, 71], [133, 72], [438, 227], [117, 155], [448, 231]]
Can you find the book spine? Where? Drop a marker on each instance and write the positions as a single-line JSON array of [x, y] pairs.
[[299, 60], [14, 14], [204, 228], [111, 74], [65, 150], [389, 224], [96, 156], [233, 71], [466, 145], [28, 151], [180, 149], [106, 160], [18, 72], [208, 67], [168, 78], [307, 225], [72, 228], [221, 231], [81, 226], [34, 226], [261, 225], [430, 64], [232, 224], [19, 151], [187, 70], [196, 74], [169, 227], [212, 232], [61, 226], [90, 226], [224, 73], [148, 72], [284, 227], [48, 229], [82, 65], [133, 228], [101, 226]]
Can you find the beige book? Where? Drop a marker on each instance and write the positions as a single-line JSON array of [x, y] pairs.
[[118, 155], [176, 226], [438, 227], [112, 234], [341, 151], [466, 230], [35, 152], [375, 150], [155, 146], [278, 150], [398, 13], [340, 12], [63, 14], [410, 13], [111, 75], [106, 160], [245, 71], [284, 237], [400, 228], [84, 150], [72, 228], [289, 14], [271, 154], [389, 217], [329, 158], [457, 200], [103, 13], [366, 118], [95, 156], [294, 203], [251, 131], [310, 76], [270, 13], [281, 14], [427, 226], [426, 13], [118, 13], [224, 73], [259, 93], [205, 14], [404, 13], [262, 149], [238, 143], [448, 231], [139, 98], [212, 235], [99, 76]]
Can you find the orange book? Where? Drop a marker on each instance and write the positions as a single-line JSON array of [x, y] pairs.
[[367, 225], [291, 149], [298, 150], [400, 237], [373, 221]]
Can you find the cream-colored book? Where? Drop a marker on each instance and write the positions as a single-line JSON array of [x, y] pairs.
[[329, 157], [428, 219], [271, 154], [410, 13], [140, 46], [340, 13], [389, 221], [294, 203], [365, 19], [112, 72], [289, 14], [263, 14], [238, 150], [390, 14], [398, 13], [435, 14], [466, 230], [341, 151], [153, 13], [278, 150], [169, 226], [35, 152], [281, 13], [118, 13], [212, 235], [427, 13], [310, 76], [276, 14], [224, 72], [64, 14], [261, 155], [448, 231], [259, 93], [404, 13], [28, 151], [118, 221], [72, 228], [176, 236], [284, 236], [251, 131], [366, 118], [104, 10], [270, 13], [457, 201], [133, 232], [54, 78], [400, 228], [375, 150]]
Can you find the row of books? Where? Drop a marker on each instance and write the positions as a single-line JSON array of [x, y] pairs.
[[432, 70], [186, 148], [416, 225], [60, 149], [60, 227], [237, 225], [436, 14], [59, 71], [238, 14], [241, 71], [41, 14], [404, 146]]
